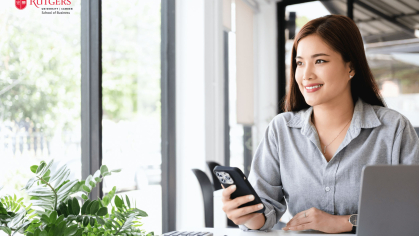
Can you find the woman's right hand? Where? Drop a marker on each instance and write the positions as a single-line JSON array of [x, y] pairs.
[[243, 215]]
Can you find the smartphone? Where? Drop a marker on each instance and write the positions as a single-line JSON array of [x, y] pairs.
[[232, 175]]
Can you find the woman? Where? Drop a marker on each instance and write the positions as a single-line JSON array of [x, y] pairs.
[[311, 157]]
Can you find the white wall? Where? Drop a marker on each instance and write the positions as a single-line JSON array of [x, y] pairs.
[[265, 69], [200, 101], [190, 109]]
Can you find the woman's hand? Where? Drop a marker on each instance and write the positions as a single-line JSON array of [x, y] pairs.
[[316, 219], [243, 215]]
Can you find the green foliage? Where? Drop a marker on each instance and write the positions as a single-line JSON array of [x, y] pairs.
[[64, 212], [14, 215]]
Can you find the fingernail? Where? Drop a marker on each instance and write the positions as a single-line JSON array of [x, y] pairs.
[[260, 206], [233, 186], [251, 197]]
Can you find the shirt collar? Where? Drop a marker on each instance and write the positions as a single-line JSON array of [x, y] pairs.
[[364, 117]]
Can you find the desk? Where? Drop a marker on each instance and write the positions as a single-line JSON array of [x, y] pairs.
[[239, 232]]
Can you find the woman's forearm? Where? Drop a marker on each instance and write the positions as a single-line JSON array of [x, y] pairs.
[[256, 222]]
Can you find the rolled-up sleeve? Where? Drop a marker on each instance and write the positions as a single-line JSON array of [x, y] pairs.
[[266, 179], [406, 145]]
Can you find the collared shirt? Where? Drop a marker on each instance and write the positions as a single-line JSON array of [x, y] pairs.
[[289, 166]]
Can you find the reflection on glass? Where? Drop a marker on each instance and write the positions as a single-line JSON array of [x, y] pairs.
[[39, 92], [397, 75], [131, 103]]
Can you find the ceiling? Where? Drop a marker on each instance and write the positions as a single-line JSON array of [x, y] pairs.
[[386, 25]]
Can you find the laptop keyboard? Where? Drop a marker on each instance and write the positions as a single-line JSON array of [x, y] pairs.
[[187, 233]]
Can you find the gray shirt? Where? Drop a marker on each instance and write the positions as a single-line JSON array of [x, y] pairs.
[[289, 167]]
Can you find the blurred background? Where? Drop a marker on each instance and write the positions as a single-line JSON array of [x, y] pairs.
[[231, 66]]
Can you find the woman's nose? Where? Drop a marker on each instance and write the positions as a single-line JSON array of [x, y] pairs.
[[308, 73]]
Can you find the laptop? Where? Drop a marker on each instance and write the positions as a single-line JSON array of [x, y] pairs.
[[389, 201]]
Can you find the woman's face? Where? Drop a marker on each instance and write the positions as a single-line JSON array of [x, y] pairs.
[[322, 75]]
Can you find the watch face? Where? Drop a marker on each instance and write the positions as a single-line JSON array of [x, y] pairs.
[[353, 219]]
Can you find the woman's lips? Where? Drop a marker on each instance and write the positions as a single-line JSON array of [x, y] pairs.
[[313, 88]]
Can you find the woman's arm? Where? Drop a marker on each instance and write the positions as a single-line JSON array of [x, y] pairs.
[[256, 222], [406, 145]]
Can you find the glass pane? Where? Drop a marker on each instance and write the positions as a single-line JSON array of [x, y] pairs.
[[397, 75], [131, 104], [40, 95]]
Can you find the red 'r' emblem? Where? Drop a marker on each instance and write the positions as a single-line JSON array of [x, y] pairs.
[[20, 4]]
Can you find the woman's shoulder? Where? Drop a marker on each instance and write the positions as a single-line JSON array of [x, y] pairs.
[[388, 116], [287, 119]]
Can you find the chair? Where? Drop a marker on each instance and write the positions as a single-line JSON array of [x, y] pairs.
[[216, 183], [207, 192]]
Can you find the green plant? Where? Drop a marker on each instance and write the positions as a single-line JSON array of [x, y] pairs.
[[64, 208]]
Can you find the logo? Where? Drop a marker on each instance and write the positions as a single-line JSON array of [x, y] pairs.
[[20, 4]]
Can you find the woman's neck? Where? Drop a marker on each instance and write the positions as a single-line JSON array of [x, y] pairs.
[[333, 114]]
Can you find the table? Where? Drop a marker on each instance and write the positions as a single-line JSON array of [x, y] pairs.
[[239, 232]]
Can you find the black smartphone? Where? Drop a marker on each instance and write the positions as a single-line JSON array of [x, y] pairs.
[[231, 175]]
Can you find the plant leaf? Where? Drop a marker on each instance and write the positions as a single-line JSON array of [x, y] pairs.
[[53, 217], [76, 206], [94, 207], [84, 207], [70, 230], [5, 229], [40, 167], [34, 168], [118, 202], [100, 221], [103, 169], [128, 202], [85, 221], [46, 168], [102, 211]]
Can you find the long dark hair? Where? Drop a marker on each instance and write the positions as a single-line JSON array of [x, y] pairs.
[[343, 36]]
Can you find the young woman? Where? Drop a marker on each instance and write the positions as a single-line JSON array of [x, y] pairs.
[[311, 157]]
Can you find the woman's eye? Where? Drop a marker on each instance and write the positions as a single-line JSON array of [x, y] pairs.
[[320, 61], [299, 63]]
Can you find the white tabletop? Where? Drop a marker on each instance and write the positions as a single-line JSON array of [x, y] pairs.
[[239, 232]]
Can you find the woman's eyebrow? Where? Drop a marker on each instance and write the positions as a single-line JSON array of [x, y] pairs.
[[314, 55]]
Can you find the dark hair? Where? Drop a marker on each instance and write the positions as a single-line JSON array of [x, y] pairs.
[[343, 36]]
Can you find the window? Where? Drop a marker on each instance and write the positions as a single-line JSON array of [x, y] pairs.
[[131, 103], [39, 91]]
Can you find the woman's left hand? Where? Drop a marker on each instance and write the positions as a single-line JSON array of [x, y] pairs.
[[316, 219]]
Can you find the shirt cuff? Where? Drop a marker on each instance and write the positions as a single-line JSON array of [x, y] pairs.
[[270, 219]]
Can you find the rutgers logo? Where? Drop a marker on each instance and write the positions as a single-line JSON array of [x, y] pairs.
[[20, 4]]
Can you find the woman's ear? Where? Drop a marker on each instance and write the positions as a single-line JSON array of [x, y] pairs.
[[351, 70]]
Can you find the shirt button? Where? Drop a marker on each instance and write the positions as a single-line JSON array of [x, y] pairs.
[[327, 189]]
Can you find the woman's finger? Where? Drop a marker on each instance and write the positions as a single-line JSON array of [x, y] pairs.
[[235, 203], [300, 227], [299, 221], [303, 214], [227, 192]]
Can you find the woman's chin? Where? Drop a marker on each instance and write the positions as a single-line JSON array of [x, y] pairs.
[[311, 101]]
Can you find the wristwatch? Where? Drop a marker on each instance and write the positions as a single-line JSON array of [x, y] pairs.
[[353, 219]]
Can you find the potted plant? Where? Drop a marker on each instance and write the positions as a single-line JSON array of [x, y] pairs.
[[59, 206]]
